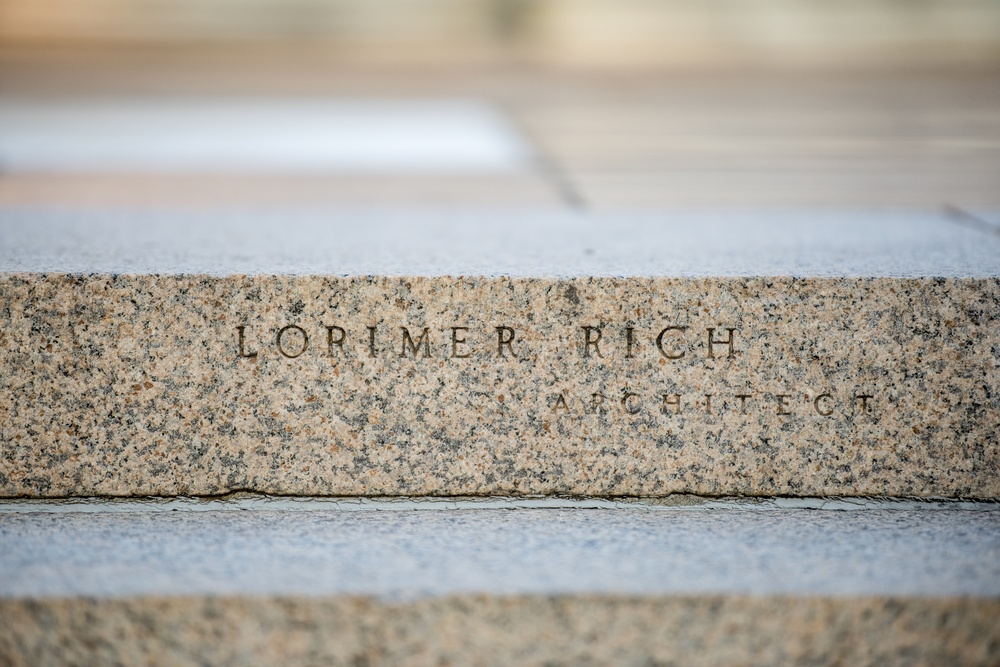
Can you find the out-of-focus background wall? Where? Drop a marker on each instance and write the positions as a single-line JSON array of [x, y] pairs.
[[606, 34]]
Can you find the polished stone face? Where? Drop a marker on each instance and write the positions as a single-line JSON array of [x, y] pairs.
[[162, 384]]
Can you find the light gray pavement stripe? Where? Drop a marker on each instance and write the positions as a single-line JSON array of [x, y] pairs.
[[402, 555], [803, 243]]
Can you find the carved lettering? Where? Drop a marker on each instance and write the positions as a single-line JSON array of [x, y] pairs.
[[730, 342], [456, 341], [338, 340], [423, 341], [505, 339], [371, 342], [671, 399], [281, 338], [659, 342], [672, 342], [242, 344], [589, 341], [820, 410]]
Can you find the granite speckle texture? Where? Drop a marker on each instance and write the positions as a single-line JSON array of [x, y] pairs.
[[487, 630], [801, 369], [140, 385]]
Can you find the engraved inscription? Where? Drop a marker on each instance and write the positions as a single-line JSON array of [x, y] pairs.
[[679, 354], [292, 341], [241, 337], [371, 343], [591, 341], [784, 405], [298, 344], [505, 341], [823, 409], [601, 344], [712, 342], [422, 343], [458, 339], [335, 338], [672, 342]]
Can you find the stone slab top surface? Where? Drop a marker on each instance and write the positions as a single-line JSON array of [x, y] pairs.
[[802, 243], [257, 134], [418, 554]]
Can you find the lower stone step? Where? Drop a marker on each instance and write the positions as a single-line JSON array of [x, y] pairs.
[[715, 585], [710, 629]]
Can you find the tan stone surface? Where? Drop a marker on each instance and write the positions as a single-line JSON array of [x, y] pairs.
[[135, 385], [485, 630]]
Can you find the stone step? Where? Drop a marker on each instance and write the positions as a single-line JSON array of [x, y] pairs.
[[720, 583], [362, 353]]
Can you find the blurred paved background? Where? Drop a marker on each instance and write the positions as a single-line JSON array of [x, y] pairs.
[[624, 105]]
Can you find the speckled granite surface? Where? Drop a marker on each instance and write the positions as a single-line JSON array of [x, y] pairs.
[[487, 630], [163, 384], [139, 385]]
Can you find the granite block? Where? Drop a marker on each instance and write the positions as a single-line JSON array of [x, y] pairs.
[[639, 586], [793, 373]]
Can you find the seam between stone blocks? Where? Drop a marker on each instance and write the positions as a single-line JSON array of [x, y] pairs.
[[244, 501]]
